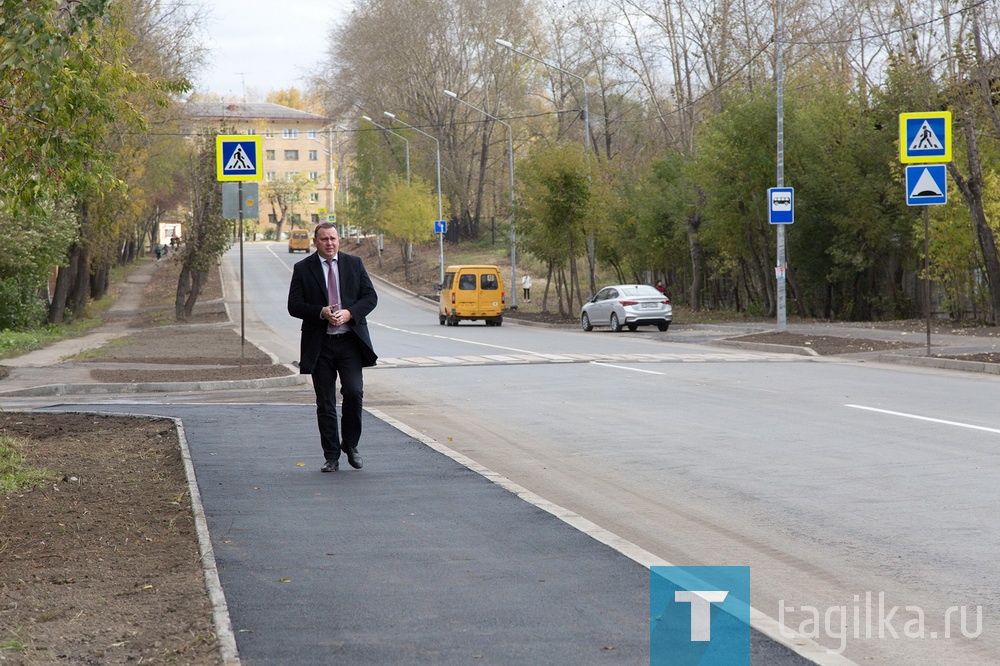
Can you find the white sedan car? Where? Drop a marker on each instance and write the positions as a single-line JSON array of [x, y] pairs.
[[627, 305]]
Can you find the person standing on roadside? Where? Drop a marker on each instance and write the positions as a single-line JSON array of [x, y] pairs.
[[332, 294], [526, 287]]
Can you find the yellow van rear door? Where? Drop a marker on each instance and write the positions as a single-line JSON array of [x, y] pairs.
[[489, 293], [467, 293]]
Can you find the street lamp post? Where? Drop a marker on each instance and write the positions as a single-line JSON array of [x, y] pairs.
[[437, 145], [405, 140], [510, 158], [586, 136]]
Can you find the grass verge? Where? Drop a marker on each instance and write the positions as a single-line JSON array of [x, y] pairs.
[[15, 475]]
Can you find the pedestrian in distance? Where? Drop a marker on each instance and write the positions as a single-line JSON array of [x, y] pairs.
[[526, 287], [660, 288], [332, 294], [159, 252]]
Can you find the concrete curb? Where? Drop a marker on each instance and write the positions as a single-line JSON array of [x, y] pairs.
[[940, 363], [213, 585], [765, 347], [154, 387]]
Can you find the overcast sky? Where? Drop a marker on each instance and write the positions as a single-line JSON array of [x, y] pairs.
[[271, 44]]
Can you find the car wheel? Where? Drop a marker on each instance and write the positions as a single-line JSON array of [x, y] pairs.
[[632, 327], [663, 325], [441, 319], [585, 322], [616, 325]]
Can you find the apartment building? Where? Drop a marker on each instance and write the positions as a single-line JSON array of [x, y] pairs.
[[294, 142]]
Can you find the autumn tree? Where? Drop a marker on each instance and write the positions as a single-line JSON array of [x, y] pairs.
[[284, 196]]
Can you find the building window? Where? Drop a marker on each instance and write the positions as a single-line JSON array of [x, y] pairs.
[[272, 218], [315, 218], [314, 154], [291, 175], [268, 154], [291, 154], [269, 134], [312, 134], [269, 176], [314, 175], [314, 197], [296, 219], [289, 134]]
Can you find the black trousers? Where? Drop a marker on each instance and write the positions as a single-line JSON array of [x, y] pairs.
[[340, 357]]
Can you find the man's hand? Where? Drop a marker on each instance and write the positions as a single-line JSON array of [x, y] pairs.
[[335, 317]]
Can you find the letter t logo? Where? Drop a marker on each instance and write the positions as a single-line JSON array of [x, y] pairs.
[[701, 610]]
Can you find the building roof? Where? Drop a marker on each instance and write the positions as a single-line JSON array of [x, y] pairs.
[[242, 111]]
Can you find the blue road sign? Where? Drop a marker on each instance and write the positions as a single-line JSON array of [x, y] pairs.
[[781, 205], [238, 157], [925, 137], [926, 185], [440, 226]]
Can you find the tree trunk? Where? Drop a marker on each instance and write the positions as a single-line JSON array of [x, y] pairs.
[[183, 287], [697, 259], [99, 281], [57, 308], [972, 191], [80, 286], [197, 280]]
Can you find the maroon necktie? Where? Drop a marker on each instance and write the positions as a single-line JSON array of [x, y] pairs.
[[331, 286], [331, 293]]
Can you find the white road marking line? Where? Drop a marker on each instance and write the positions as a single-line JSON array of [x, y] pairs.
[[622, 367], [926, 418]]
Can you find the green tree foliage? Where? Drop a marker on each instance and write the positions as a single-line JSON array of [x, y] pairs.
[[374, 162], [31, 246], [555, 207], [54, 93], [80, 82], [408, 212]]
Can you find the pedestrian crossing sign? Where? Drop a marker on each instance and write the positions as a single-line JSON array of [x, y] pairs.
[[238, 157], [925, 137]]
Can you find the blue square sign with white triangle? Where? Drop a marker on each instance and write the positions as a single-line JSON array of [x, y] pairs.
[[926, 185]]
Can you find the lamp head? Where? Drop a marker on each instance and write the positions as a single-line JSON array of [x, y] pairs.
[[366, 118], [450, 94], [389, 115], [504, 43]]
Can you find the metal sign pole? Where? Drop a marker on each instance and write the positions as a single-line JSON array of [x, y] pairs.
[[927, 274], [779, 74], [243, 334]]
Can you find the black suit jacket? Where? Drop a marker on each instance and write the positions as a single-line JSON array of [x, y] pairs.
[[307, 297]]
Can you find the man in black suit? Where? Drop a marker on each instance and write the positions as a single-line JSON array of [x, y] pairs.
[[335, 339]]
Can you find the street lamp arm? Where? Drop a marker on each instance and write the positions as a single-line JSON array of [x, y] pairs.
[[586, 112], [396, 134]]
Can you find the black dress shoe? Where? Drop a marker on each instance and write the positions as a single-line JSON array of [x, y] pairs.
[[353, 457], [330, 466]]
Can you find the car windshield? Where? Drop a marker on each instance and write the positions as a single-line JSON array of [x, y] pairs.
[[639, 290]]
